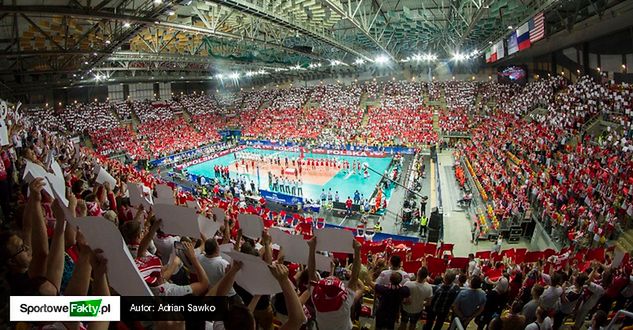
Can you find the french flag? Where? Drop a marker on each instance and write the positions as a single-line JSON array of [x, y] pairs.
[[523, 36]]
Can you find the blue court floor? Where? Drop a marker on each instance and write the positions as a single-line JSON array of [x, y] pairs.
[[342, 182]]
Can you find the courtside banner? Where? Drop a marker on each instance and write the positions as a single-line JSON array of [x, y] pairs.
[[64, 308]]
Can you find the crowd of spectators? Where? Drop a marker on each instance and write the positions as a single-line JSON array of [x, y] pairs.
[[47, 118], [169, 136], [85, 117], [199, 104], [117, 141], [584, 183], [123, 109], [579, 184], [151, 111], [410, 282]]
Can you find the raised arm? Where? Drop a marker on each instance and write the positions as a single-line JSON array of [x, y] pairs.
[[39, 239], [145, 241], [55, 260], [312, 259], [353, 281], [268, 250], [100, 285], [296, 317], [199, 288], [80, 280]]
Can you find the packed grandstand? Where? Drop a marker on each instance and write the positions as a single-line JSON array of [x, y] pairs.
[[525, 148]]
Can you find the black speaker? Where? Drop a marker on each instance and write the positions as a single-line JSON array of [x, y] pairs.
[[433, 235], [436, 220], [433, 152]]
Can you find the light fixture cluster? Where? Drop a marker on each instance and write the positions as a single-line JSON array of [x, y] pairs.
[[458, 57], [421, 58]]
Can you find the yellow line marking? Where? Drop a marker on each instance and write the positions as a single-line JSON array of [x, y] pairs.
[[432, 186]]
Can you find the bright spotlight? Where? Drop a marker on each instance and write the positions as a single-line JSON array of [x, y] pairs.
[[234, 76], [218, 76], [459, 57], [126, 25], [359, 61], [382, 59]]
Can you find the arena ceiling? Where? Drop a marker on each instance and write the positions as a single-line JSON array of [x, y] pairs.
[[51, 43]]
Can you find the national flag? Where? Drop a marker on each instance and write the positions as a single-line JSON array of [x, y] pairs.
[[491, 56], [537, 27], [523, 36], [488, 55], [500, 50], [513, 46]]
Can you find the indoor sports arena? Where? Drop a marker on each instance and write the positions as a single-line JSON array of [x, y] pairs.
[[316, 164]]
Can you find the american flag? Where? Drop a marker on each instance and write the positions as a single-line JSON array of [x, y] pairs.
[[537, 27]]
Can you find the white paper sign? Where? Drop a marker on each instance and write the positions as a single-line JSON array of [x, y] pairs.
[[104, 176], [252, 225], [255, 277], [136, 196], [207, 226], [123, 276], [57, 182], [4, 131], [323, 263], [178, 220], [224, 249], [277, 235], [164, 191], [618, 256], [168, 200], [334, 240], [193, 204], [219, 214], [33, 171]]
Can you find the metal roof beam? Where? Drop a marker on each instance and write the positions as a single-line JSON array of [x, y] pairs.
[[341, 11], [262, 13]]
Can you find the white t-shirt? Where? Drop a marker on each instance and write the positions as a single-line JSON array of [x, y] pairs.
[[214, 267], [383, 278], [172, 290], [545, 325], [550, 299], [419, 292], [164, 246], [339, 319]]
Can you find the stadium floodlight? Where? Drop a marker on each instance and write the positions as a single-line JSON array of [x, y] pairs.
[[126, 25], [359, 61], [234, 76], [171, 13], [429, 57], [382, 59], [158, 2], [459, 57], [218, 76]]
